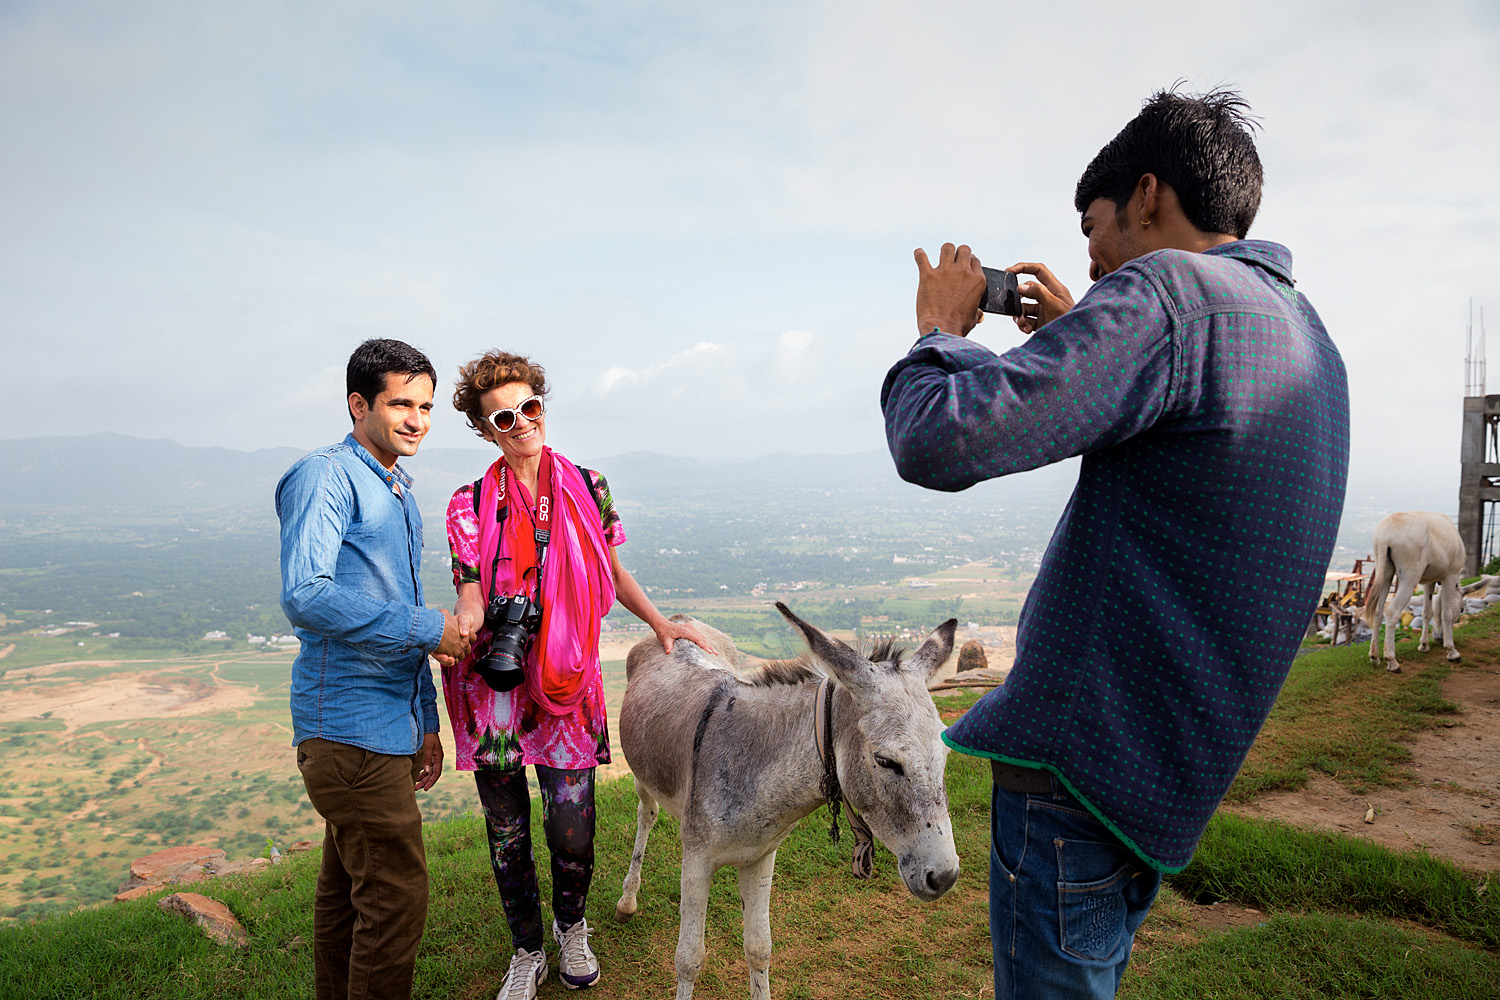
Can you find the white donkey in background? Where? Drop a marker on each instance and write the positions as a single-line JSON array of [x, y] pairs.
[[1415, 548], [739, 758]]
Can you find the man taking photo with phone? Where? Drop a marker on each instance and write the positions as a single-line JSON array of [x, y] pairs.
[[1211, 410]]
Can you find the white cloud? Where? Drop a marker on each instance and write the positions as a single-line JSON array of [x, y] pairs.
[[692, 359], [793, 352]]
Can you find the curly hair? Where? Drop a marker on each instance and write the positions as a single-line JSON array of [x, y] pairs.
[[489, 370], [1200, 145]]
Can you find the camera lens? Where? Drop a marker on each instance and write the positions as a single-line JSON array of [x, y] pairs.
[[512, 622], [500, 668]]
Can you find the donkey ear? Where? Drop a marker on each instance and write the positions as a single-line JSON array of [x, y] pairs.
[[933, 653], [848, 667]]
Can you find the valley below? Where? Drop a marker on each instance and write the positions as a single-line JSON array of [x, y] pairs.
[[108, 753]]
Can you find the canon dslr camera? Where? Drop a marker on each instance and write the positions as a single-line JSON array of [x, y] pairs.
[[513, 623]]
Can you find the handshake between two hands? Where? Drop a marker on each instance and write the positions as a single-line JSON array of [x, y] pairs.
[[458, 638], [950, 292]]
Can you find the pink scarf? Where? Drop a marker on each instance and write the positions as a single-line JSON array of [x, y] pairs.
[[578, 586]]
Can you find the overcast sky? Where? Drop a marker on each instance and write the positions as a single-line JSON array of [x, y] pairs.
[[698, 216]]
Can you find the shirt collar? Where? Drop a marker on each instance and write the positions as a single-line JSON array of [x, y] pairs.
[[395, 474], [1272, 257]]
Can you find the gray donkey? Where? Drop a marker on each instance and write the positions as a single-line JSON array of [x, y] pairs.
[[739, 758]]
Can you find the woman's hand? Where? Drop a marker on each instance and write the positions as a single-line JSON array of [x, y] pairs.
[[468, 615], [668, 631], [458, 636]]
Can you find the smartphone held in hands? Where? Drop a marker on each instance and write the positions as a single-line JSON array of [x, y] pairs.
[[1001, 294]]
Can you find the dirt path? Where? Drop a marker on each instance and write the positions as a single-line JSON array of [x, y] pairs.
[[155, 764], [1454, 809], [47, 669]]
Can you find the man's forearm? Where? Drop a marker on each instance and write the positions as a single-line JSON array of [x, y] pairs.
[[322, 606], [932, 443], [956, 413]]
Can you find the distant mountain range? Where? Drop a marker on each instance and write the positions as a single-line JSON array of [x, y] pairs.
[[107, 470], [114, 471]]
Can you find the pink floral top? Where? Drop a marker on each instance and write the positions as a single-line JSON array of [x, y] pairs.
[[503, 730]]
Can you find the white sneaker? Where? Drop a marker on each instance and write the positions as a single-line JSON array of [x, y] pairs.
[[527, 971], [576, 963]]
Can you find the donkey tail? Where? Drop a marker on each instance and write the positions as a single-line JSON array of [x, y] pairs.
[[1380, 585]]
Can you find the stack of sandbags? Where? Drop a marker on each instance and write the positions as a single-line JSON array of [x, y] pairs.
[[1481, 594]]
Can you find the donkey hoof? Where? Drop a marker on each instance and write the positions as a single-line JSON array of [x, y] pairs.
[[1454, 657], [1423, 647], [623, 915], [1393, 667]]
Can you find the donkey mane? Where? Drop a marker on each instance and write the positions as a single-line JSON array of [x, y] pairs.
[[886, 650], [800, 669], [774, 672]]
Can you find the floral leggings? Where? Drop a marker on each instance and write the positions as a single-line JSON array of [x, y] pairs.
[[567, 821]]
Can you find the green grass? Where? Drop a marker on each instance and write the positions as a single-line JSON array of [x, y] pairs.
[[20, 727], [1273, 866], [1317, 956], [1340, 716]]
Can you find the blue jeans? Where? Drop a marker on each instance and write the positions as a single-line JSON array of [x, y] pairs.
[[1066, 898]]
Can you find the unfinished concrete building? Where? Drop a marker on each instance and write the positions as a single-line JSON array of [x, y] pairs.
[[1479, 458]]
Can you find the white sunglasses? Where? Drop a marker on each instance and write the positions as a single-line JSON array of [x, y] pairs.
[[503, 420]]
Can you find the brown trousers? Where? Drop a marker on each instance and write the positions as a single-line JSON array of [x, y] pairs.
[[371, 903]]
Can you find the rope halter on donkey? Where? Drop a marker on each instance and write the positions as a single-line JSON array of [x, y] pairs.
[[864, 840]]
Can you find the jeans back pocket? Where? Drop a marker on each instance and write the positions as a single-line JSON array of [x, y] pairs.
[[1091, 904]]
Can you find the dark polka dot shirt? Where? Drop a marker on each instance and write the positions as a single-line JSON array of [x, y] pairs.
[[1212, 413]]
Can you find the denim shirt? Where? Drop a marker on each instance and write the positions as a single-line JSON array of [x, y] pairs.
[[351, 549], [1212, 413]]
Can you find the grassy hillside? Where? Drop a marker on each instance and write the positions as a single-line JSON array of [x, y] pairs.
[[1343, 919]]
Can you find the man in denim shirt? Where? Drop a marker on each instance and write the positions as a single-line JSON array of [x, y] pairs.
[[1212, 413], [364, 709]]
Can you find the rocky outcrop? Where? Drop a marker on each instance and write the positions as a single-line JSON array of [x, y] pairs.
[[213, 916], [181, 866], [173, 866], [163, 865], [186, 865], [971, 657]]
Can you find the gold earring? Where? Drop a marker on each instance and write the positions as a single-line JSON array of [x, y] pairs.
[[1145, 222]]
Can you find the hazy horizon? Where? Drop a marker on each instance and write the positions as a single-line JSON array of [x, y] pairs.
[[700, 218], [1362, 482]]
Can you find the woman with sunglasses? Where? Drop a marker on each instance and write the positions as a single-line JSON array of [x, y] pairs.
[[553, 719]]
